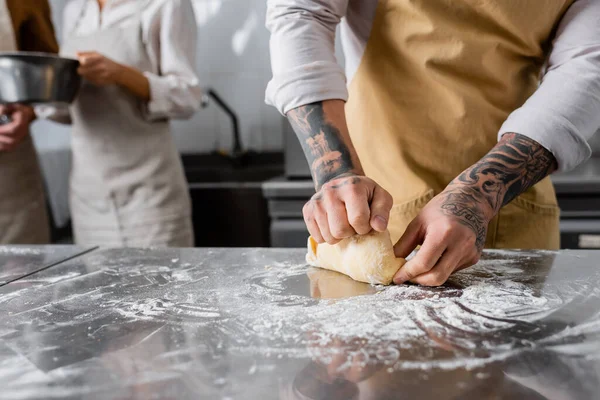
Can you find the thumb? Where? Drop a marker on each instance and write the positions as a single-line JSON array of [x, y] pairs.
[[381, 205], [409, 241]]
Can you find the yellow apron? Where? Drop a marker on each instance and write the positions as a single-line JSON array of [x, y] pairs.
[[436, 82]]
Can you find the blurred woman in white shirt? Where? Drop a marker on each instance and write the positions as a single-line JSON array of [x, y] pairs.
[[128, 186]]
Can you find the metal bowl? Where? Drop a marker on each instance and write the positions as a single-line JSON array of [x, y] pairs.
[[34, 78]]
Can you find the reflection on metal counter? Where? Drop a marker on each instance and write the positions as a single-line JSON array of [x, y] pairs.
[[258, 323]]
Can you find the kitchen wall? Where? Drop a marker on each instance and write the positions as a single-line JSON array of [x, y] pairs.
[[233, 58]]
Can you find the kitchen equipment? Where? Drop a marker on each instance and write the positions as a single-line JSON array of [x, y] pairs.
[[286, 198], [33, 78], [237, 156], [578, 193]]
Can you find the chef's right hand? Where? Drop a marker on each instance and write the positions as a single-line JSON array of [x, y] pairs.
[[14, 132], [346, 206]]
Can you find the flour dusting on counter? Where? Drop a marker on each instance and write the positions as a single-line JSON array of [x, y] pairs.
[[254, 305], [20, 250], [473, 320]]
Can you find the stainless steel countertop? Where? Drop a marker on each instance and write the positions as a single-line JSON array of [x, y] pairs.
[[19, 261], [258, 323]]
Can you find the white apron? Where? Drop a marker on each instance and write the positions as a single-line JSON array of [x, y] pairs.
[[127, 185], [23, 213]]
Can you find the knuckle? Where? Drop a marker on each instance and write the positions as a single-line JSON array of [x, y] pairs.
[[419, 268], [445, 231], [330, 239], [341, 231], [469, 242], [309, 216], [307, 209], [437, 279], [359, 219], [388, 200], [329, 195], [409, 274], [327, 237], [309, 219], [355, 191]]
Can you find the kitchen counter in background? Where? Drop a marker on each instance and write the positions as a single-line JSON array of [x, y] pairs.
[[259, 323], [247, 202], [229, 209], [578, 194]]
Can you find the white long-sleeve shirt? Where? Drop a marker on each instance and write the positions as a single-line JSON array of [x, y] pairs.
[[561, 115], [170, 35]]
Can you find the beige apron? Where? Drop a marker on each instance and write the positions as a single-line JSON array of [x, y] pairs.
[[437, 80], [128, 187], [23, 213]]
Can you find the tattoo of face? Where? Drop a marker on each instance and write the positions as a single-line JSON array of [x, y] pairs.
[[323, 145], [514, 165]]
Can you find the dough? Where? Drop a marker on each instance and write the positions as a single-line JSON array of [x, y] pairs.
[[366, 258]]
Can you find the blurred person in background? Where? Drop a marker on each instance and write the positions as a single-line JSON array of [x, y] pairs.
[[137, 57], [25, 25]]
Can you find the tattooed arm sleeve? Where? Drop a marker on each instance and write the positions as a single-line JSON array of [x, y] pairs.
[[514, 165], [323, 133]]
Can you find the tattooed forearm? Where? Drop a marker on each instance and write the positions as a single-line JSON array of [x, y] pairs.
[[514, 165], [327, 150]]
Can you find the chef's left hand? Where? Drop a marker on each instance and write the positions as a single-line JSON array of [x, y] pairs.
[[98, 69], [14, 132], [451, 230]]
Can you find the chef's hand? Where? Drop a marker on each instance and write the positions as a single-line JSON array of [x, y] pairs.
[[346, 203], [13, 133], [451, 230], [98, 69], [346, 206]]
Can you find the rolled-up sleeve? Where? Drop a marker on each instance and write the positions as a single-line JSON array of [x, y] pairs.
[[305, 69], [564, 113], [175, 90]]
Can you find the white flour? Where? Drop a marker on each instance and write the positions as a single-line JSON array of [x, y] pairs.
[[475, 320], [483, 315], [414, 327], [19, 250]]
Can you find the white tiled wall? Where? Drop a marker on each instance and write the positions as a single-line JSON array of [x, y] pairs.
[[233, 59]]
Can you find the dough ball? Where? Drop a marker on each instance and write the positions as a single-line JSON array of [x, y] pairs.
[[365, 258]]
